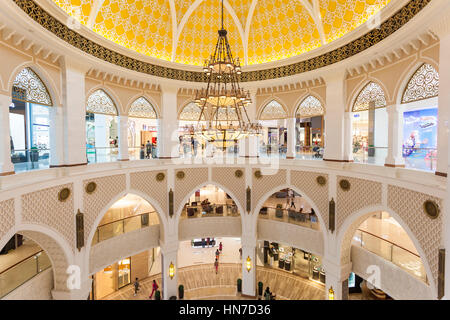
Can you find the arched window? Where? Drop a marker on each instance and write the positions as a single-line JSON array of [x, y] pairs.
[[28, 87], [273, 111], [191, 112], [142, 108], [100, 102], [372, 92], [226, 114], [310, 107], [424, 84]]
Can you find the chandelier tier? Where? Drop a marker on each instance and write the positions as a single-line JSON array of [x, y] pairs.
[[223, 102]]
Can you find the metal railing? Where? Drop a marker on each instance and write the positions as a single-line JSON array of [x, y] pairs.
[[22, 271], [388, 250], [114, 228]]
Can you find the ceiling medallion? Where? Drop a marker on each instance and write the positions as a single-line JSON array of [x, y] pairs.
[[64, 194], [344, 184], [321, 180], [223, 102], [160, 176], [91, 187], [431, 208], [238, 173], [258, 174], [180, 175]]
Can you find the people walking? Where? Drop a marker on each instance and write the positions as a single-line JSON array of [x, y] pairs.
[[216, 265], [148, 150], [136, 286], [220, 247], [240, 253], [142, 152], [217, 254], [154, 288]]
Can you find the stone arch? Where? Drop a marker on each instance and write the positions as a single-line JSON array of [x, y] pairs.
[[363, 85], [351, 224], [110, 93], [150, 100], [53, 243], [199, 186], [42, 74], [303, 98], [409, 75], [265, 104]]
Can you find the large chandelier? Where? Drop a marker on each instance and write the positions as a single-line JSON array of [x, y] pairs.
[[223, 102]]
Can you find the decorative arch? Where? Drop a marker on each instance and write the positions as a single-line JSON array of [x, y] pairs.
[[190, 112], [28, 87], [142, 108], [371, 92], [260, 203], [347, 230], [273, 110], [424, 84], [199, 186], [101, 102], [310, 107]]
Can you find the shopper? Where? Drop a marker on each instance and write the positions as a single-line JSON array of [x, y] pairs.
[[240, 253], [217, 254], [216, 265], [220, 247], [136, 286], [142, 153], [154, 288], [148, 150], [267, 294]]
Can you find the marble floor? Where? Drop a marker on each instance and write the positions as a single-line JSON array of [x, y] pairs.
[[202, 283]]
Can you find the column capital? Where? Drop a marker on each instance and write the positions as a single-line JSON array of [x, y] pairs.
[[169, 246], [335, 269]]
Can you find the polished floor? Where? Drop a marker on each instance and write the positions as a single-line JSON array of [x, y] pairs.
[[201, 282]]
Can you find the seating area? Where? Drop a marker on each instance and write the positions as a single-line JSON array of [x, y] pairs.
[[195, 210]]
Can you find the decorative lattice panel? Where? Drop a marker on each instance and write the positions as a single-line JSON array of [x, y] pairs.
[[362, 193], [43, 207], [424, 84], [267, 182], [408, 205], [107, 189], [372, 92], [56, 255], [6, 216], [193, 178], [146, 183], [306, 181], [227, 178]]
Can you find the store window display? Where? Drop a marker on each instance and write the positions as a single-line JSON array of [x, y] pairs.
[[190, 145], [273, 119], [101, 128]]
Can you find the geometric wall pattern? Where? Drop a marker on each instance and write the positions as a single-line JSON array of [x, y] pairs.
[[6, 216], [260, 186], [227, 178], [193, 177]]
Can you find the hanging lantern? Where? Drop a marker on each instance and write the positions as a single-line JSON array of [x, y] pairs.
[[171, 270], [249, 264], [331, 294]]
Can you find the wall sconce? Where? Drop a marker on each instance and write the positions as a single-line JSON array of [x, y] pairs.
[[249, 264], [331, 294], [171, 270]]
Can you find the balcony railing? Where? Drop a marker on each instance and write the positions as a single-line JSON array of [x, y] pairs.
[[112, 229], [304, 219], [22, 271], [390, 251], [30, 159], [101, 154], [209, 210]]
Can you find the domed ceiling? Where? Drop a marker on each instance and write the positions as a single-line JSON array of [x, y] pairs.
[[185, 31]]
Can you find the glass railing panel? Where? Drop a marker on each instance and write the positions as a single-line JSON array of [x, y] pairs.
[[43, 261], [17, 275], [110, 230], [420, 158], [30, 159], [409, 262], [309, 152], [377, 246], [370, 155], [100, 155], [131, 224], [304, 219]]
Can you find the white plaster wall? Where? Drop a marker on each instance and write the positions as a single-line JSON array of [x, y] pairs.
[[210, 227], [37, 288], [109, 251], [299, 237], [396, 282]]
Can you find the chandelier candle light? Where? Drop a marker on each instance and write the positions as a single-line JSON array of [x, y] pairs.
[[223, 102]]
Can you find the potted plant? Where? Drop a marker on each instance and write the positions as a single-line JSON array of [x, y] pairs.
[[181, 291], [260, 288], [158, 295], [239, 285]]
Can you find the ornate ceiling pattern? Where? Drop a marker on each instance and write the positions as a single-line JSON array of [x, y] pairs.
[[185, 31], [273, 111]]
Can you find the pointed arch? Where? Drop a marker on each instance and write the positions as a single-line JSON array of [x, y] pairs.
[[310, 106], [371, 92], [142, 108], [424, 84], [273, 110], [28, 87], [101, 102], [190, 112]]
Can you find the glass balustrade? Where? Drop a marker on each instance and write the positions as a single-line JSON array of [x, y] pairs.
[[194, 210], [100, 155], [21, 272], [304, 219], [370, 155], [30, 159], [420, 158], [405, 259]]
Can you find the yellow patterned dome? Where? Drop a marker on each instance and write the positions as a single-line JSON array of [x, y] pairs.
[[185, 31]]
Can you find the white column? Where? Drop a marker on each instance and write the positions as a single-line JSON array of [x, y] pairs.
[[248, 277], [169, 252], [123, 138], [334, 117], [56, 136], [291, 138], [348, 137], [248, 147], [335, 277], [6, 166], [168, 126], [395, 137], [74, 112]]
